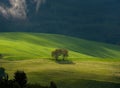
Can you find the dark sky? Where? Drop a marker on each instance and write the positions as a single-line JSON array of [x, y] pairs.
[[97, 20]]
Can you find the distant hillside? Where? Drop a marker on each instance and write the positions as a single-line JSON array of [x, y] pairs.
[[88, 19], [38, 45]]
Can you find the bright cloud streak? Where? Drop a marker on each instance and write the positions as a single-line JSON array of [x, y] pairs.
[[18, 9], [38, 3]]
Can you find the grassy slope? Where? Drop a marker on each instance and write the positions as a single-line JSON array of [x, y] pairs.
[[35, 45], [85, 73], [78, 74]]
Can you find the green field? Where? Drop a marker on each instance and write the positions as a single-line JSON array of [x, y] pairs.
[[89, 65]]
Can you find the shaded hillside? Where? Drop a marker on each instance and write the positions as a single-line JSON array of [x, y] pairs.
[[38, 45]]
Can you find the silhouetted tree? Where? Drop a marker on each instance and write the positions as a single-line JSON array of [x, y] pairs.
[[20, 78], [3, 75], [52, 85], [3, 78]]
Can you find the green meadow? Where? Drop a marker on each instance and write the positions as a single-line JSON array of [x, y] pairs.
[[89, 65]]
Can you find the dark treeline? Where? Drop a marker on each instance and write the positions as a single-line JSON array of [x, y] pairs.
[[19, 81]]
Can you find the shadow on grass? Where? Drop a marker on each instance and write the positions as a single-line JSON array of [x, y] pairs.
[[81, 83], [65, 80], [63, 61], [71, 79], [85, 83]]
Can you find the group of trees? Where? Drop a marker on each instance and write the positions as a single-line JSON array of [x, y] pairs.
[[59, 52], [19, 81]]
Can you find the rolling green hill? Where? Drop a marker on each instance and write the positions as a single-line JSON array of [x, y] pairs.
[[39, 45], [90, 64]]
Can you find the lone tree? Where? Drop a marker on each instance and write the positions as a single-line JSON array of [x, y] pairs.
[[59, 52]]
